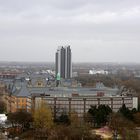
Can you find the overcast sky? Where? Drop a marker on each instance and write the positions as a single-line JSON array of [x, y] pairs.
[[96, 30]]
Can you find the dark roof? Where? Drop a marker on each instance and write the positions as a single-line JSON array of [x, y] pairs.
[[20, 90]]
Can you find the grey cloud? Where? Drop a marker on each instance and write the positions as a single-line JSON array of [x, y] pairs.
[[97, 26]]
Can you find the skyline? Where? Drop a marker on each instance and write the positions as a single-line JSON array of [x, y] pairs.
[[97, 31]]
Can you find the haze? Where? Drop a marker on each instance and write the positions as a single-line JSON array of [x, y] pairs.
[[96, 30]]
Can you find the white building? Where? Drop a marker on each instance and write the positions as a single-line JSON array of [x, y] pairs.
[[93, 72]]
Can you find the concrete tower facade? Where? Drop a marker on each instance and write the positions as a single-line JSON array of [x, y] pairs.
[[63, 63]]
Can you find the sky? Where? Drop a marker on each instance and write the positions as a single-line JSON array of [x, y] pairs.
[[96, 30]]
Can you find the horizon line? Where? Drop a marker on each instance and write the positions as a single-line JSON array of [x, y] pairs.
[[72, 62]]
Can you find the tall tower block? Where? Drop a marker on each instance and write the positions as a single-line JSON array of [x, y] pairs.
[[63, 63]]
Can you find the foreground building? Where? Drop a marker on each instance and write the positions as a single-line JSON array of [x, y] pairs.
[[27, 92], [63, 62], [78, 103]]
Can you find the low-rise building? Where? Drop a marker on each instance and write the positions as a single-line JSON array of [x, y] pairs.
[[80, 104], [26, 94]]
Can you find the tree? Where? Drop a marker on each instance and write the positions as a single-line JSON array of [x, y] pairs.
[[2, 107], [43, 117], [137, 119], [74, 119], [126, 112], [22, 118], [77, 130], [126, 128], [63, 119], [63, 132], [100, 114], [132, 83], [43, 121]]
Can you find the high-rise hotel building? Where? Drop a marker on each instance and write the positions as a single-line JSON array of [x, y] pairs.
[[63, 63]]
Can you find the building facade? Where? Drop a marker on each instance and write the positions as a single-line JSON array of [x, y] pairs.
[[63, 62], [81, 105], [26, 93]]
